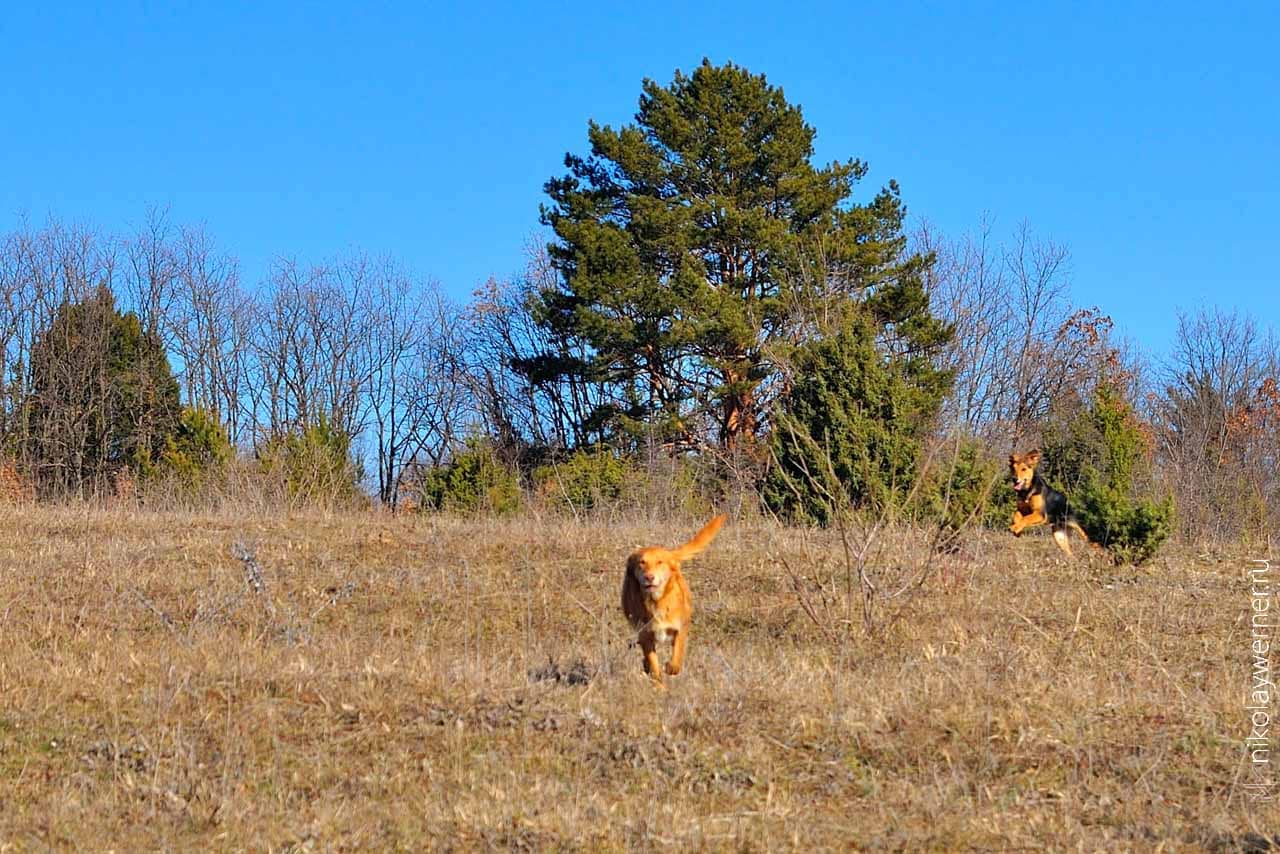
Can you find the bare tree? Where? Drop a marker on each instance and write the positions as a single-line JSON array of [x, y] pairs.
[[208, 327], [1020, 346], [151, 272], [312, 345], [47, 269], [418, 398], [1217, 424], [520, 403], [15, 307], [969, 287], [363, 345]]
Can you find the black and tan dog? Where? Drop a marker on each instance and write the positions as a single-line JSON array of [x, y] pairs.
[[1039, 503]]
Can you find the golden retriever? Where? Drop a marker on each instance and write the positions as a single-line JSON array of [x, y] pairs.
[[655, 598]]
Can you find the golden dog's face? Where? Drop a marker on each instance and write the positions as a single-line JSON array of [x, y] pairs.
[[652, 569], [1022, 468]]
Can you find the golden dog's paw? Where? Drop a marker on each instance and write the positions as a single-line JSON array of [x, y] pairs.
[[672, 669]]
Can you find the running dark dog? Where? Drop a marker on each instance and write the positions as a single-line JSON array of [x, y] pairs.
[[1039, 503]]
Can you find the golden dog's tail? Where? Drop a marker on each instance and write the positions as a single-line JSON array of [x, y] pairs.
[[702, 539]]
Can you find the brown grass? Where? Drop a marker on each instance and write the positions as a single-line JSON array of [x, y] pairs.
[[415, 682]]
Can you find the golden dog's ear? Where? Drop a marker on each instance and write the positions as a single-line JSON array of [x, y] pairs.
[[1013, 459], [702, 539], [1033, 457]]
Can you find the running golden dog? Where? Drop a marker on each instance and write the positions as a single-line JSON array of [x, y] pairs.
[[1039, 503], [655, 598]]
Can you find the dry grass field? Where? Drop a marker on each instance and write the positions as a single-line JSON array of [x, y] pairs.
[[442, 683]]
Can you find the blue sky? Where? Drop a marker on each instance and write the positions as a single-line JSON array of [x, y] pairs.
[[1146, 137]]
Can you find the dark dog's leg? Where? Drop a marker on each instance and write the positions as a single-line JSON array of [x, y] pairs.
[[1073, 525], [1023, 521], [1060, 537]]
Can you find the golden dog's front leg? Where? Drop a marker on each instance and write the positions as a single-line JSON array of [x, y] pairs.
[[649, 647], [677, 651], [1017, 525]]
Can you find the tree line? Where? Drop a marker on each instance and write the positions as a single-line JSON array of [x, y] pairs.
[[705, 291]]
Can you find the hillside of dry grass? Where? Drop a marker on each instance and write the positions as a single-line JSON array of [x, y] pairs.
[[374, 682]]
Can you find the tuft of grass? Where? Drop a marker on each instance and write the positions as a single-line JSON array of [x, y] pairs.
[[178, 680]]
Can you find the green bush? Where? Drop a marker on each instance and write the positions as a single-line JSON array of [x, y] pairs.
[[1070, 444], [474, 481], [1100, 435], [197, 448], [315, 465], [848, 434], [966, 486], [587, 479], [1132, 530], [1105, 499]]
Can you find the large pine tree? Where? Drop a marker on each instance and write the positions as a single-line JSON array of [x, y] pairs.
[[695, 243]]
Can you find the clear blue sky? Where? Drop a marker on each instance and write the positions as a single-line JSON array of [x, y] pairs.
[[1146, 137]]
